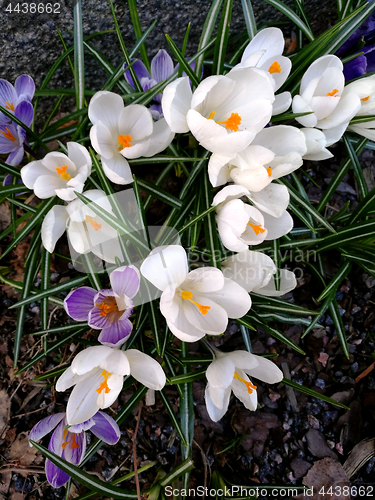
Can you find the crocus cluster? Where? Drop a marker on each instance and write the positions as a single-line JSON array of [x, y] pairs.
[[230, 116]]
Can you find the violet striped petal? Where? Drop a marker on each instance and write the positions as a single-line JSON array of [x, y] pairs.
[[116, 334], [55, 476], [97, 319], [161, 66], [79, 303], [15, 157], [75, 448], [140, 70], [25, 87], [125, 281], [44, 426], [8, 98], [25, 112], [355, 67], [105, 428]]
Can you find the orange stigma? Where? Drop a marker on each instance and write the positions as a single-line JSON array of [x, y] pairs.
[[269, 171], [232, 123], [9, 105], [104, 384], [61, 171], [107, 307], [250, 387], [257, 228], [8, 134], [73, 440], [124, 141], [365, 98], [332, 94], [95, 225], [187, 295], [274, 68]]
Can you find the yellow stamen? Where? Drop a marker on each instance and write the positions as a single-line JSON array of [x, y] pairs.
[[104, 384], [73, 440], [232, 123], [274, 68], [95, 225], [61, 171], [8, 134], [269, 171], [124, 141], [107, 307], [9, 105], [332, 94], [187, 295], [250, 387], [211, 115], [365, 98], [257, 228]]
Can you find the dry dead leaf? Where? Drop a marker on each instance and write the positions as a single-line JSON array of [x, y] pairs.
[[326, 473], [4, 411], [360, 454], [21, 452]]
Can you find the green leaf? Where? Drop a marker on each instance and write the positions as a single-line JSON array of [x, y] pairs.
[[159, 193], [184, 467], [222, 38], [312, 393], [319, 313], [55, 290], [362, 209], [288, 12], [341, 273], [210, 229], [79, 65], [347, 235], [172, 416], [7, 190], [250, 21], [88, 480], [185, 378], [207, 30], [339, 326], [182, 61], [9, 169], [45, 274], [138, 31], [356, 167], [52, 373], [262, 302], [362, 119]]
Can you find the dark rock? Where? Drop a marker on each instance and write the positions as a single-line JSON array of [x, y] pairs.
[[318, 446], [300, 467]]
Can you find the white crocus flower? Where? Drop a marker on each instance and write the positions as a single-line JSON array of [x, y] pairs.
[[193, 303], [240, 224], [225, 112], [59, 174], [255, 271], [230, 372], [265, 52], [97, 374], [86, 231], [321, 94], [122, 132], [364, 88], [274, 152]]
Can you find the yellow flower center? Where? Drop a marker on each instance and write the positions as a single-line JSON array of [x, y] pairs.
[[61, 171], [9, 105], [269, 171], [73, 440], [95, 225], [187, 295], [250, 387], [104, 385], [124, 141], [108, 306], [232, 123], [274, 68], [365, 98], [332, 94], [8, 134], [257, 228]]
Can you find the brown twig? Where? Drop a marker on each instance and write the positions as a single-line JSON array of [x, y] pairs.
[[366, 372], [135, 451]]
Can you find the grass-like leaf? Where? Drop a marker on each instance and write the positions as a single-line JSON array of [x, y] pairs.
[[289, 13], [182, 61], [341, 273], [249, 17], [222, 38], [138, 31], [312, 393]]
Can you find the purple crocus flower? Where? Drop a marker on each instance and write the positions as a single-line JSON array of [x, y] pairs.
[[70, 443], [361, 65], [109, 309], [161, 68], [11, 97], [13, 136]]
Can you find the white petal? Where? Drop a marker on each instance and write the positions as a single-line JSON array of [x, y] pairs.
[[254, 179], [68, 378], [250, 400], [106, 107], [82, 401], [146, 369], [273, 199], [135, 120], [318, 67], [116, 362], [160, 139], [233, 298], [288, 282], [165, 266], [213, 322], [45, 186], [204, 280], [343, 113], [266, 371], [115, 383], [79, 156], [269, 39], [299, 105], [277, 227], [175, 103], [214, 412], [243, 359], [220, 372], [103, 140], [90, 358], [282, 140], [229, 193], [117, 169], [219, 169], [53, 226], [31, 172]]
